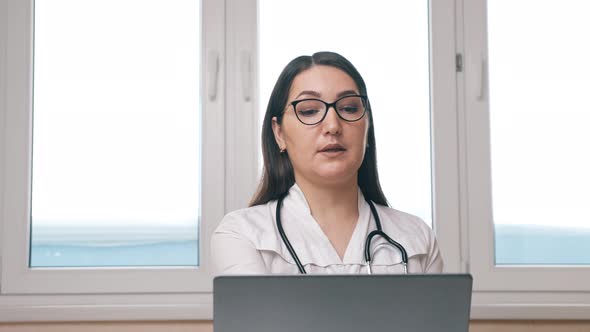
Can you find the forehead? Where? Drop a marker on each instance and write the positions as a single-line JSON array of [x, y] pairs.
[[328, 81]]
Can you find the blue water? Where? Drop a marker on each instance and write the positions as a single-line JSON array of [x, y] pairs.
[[159, 254], [542, 245], [115, 245], [518, 245]]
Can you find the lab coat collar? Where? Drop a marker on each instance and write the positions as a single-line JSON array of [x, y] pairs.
[[313, 246], [308, 239]]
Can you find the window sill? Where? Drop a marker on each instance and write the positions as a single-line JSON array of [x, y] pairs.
[[199, 306], [130, 307], [530, 305]]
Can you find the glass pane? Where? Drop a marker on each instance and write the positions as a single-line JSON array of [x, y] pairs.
[[539, 112], [116, 139], [387, 41]]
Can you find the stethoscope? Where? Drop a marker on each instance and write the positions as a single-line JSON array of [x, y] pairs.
[[370, 237]]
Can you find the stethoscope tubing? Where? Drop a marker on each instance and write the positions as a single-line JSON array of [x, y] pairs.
[[285, 239], [377, 232]]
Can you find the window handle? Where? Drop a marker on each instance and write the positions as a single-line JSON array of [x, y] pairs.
[[477, 72], [212, 74], [482, 79], [479, 77], [246, 71]]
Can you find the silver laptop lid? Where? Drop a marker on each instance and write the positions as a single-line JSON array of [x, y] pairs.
[[408, 303]]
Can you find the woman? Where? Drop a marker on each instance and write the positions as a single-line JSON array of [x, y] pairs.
[[320, 167]]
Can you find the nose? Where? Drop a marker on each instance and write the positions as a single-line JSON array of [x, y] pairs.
[[331, 123]]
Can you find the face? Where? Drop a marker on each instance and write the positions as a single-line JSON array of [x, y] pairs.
[[331, 151]]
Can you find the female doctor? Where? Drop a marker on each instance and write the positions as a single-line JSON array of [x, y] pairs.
[[319, 207]]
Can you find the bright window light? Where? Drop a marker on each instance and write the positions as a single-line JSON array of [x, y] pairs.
[[116, 133]]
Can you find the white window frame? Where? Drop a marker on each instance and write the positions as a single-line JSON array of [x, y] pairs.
[[148, 293], [460, 163], [508, 292]]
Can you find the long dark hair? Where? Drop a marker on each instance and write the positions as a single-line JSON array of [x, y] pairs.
[[278, 175]]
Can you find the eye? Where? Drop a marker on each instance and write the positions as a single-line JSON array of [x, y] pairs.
[[309, 108], [350, 105], [307, 112], [351, 109]]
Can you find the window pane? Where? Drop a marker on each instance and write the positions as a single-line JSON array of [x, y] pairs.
[[387, 41], [116, 142], [539, 112]]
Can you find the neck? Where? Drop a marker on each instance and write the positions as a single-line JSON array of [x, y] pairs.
[[334, 204]]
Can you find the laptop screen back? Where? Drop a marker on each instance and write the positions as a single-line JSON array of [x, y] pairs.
[[408, 303]]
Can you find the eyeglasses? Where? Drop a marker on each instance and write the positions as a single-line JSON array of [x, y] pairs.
[[313, 111]]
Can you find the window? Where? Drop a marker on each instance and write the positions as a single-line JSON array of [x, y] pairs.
[[537, 105], [470, 134], [525, 172], [115, 154], [91, 288]]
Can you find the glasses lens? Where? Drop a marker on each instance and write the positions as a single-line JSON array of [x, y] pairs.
[[310, 111], [351, 108]]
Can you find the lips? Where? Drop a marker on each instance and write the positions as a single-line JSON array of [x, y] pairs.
[[332, 148]]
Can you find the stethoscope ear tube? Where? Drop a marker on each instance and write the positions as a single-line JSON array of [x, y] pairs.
[[388, 239], [284, 237], [380, 232]]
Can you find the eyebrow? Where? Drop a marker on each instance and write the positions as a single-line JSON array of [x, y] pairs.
[[309, 92], [346, 93], [318, 95]]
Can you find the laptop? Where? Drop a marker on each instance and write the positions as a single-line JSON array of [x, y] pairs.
[[342, 303]]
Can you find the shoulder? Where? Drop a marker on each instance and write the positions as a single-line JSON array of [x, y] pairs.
[[236, 241], [415, 235], [399, 219], [249, 220], [406, 227], [253, 228]]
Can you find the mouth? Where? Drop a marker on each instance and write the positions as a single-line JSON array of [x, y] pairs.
[[332, 148]]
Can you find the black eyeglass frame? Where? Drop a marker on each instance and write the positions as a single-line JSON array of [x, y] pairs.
[[364, 100]]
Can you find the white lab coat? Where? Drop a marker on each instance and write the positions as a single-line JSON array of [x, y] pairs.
[[247, 241]]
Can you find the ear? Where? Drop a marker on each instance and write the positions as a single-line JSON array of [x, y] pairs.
[[278, 132]]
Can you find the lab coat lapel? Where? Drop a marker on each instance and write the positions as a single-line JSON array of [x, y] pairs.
[[354, 252], [304, 233]]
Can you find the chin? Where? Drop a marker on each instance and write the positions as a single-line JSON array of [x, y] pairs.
[[335, 176]]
